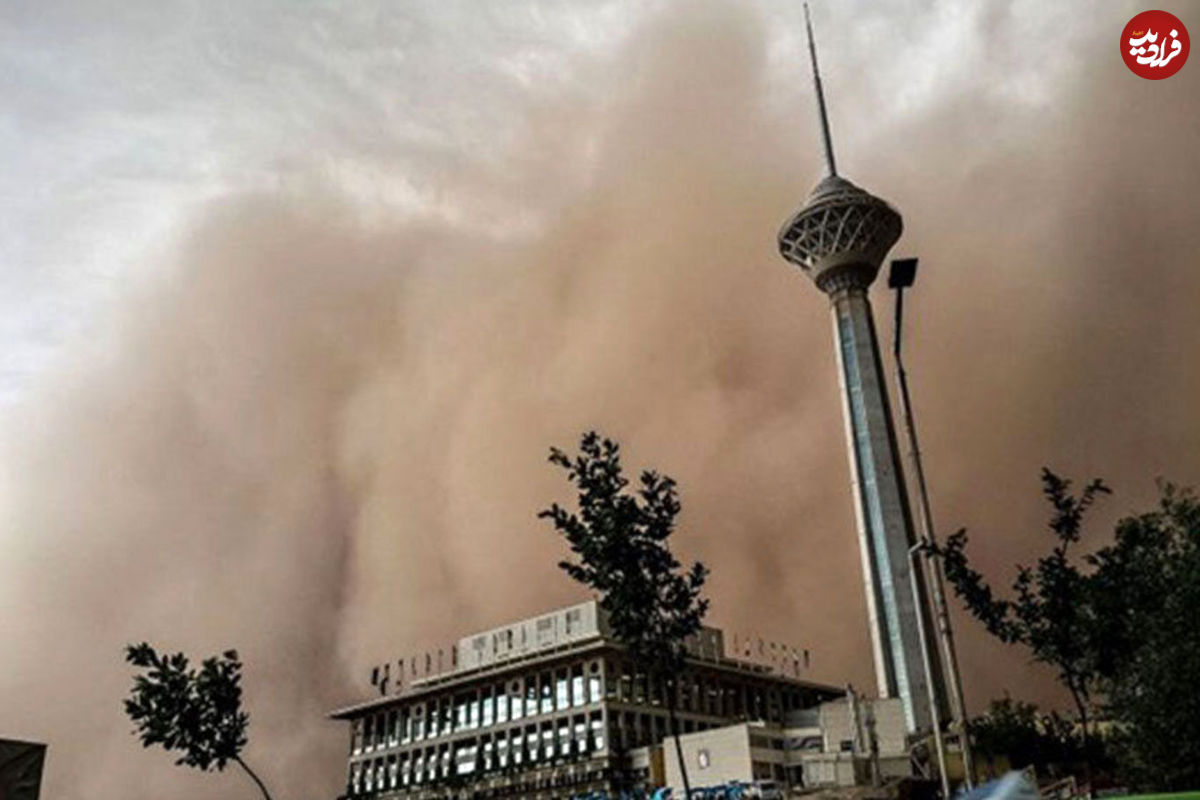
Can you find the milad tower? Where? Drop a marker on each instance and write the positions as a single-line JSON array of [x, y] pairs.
[[839, 238]]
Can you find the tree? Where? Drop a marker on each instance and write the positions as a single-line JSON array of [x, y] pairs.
[[620, 538], [1121, 631], [197, 712], [1051, 612], [1015, 729], [1147, 597]]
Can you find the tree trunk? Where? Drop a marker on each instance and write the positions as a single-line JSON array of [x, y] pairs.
[[1081, 706], [250, 772], [672, 699]]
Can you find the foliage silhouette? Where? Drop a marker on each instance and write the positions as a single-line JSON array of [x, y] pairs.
[[1118, 624], [1051, 613], [1016, 730], [197, 712], [620, 540], [1146, 603]]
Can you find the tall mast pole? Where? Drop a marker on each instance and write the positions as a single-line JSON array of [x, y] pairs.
[[826, 138]]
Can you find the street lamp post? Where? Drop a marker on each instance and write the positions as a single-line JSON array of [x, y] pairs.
[[939, 745], [902, 275]]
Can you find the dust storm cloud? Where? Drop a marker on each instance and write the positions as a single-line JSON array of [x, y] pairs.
[[318, 431]]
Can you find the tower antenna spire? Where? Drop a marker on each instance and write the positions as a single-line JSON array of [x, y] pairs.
[[826, 139]]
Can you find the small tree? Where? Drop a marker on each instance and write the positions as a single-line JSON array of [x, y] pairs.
[[1123, 631], [1147, 596], [1051, 613], [1016, 730], [620, 541], [197, 712]]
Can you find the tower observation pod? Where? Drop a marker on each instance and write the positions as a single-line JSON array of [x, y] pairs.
[[839, 238]]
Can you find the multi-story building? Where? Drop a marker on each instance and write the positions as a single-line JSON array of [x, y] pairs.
[[21, 769], [844, 742], [551, 707]]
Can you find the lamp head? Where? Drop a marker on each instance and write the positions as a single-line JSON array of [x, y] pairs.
[[903, 273]]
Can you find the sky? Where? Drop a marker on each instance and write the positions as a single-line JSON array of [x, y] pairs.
[[296, 296]]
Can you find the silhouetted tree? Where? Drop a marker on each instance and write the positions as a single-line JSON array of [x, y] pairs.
[[1147, 608], [198, 712], [1122, 632], [1016, 730], [619, 537], [1051, 613]]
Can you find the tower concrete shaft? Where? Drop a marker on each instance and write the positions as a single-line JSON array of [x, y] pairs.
[[839, 238], [884, 521]]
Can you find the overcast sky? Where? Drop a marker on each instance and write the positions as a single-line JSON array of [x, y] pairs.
[[118, 118]]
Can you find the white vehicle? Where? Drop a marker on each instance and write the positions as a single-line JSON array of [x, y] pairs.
[[767, 790]]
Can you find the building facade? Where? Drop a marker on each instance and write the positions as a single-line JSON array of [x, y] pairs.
[[21, 769], [842, 742], [550, 707]]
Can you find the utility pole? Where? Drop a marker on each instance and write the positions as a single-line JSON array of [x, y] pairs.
[[902, 275], [926, 658]]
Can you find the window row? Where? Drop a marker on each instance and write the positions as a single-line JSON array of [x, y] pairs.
[[546, 693], [549, 742], [709, 693]]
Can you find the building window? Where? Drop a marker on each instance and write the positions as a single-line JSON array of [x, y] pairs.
[[548, 742], [578, 697], [501, 705], [562, 691], [460, 712], [597, 725], [517, 746], [574, 621], [545, 682], [564, 738], [464, 759], [531, 696], [488, 709], [595, 689], [419, 723]]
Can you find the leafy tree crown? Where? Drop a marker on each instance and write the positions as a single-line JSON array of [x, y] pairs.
[[620, 540], [194, 711]]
